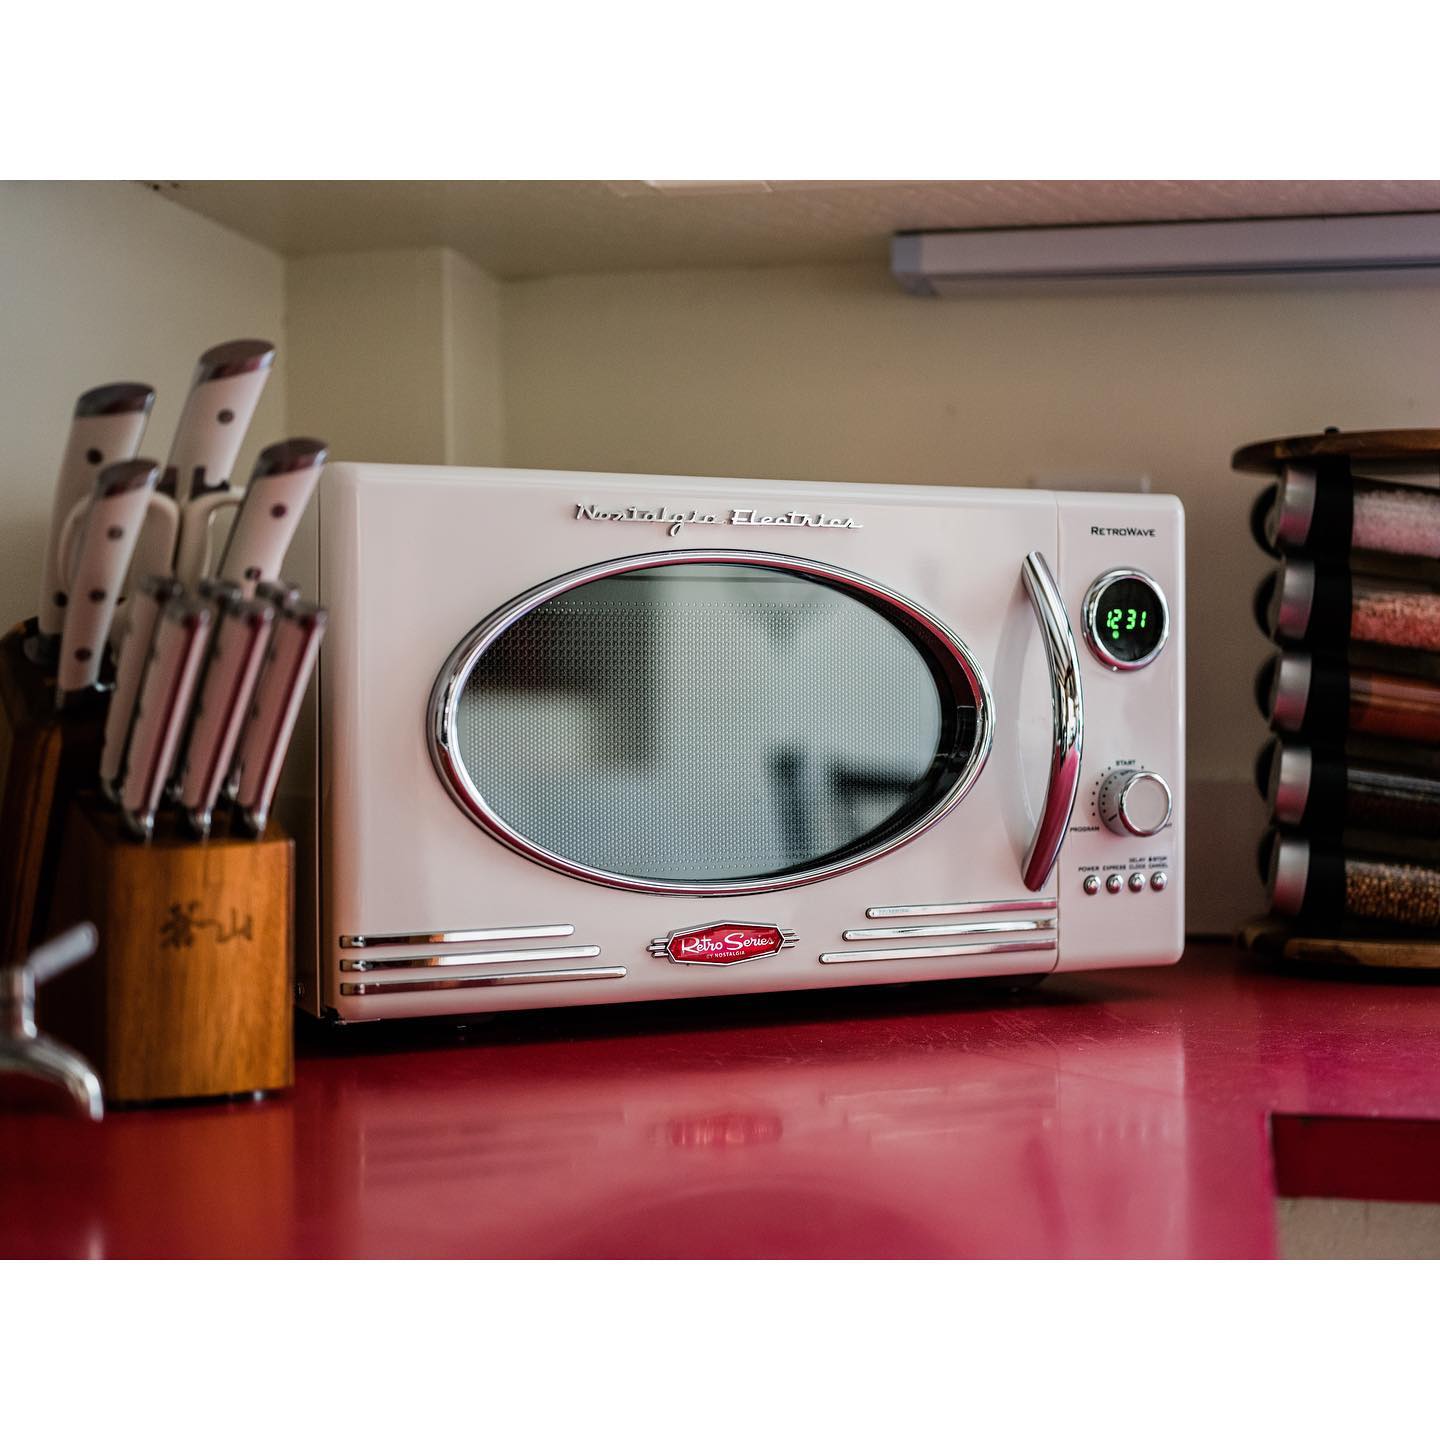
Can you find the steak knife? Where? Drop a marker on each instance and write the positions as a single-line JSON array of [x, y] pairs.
[[165, 692], [107, 541], [107, 425], [293, 651], [279, 490], [242, 637], [144, 606], [226, 389]]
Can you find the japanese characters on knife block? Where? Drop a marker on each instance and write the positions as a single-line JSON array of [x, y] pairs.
[[145, 714], [1352, 775]]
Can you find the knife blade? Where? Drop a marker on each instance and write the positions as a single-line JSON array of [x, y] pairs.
[[237, 653], [293, 651], [223, 395], [107, 540], [106, 427], [144, 605], [279, 490], [165, 693]]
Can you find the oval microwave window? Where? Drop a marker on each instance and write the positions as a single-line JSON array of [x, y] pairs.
[[707, 724]]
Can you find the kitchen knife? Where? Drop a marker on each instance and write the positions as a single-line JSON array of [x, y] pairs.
[[293, 651], [144, 606], [107, 541], [217, 412], [242, 638], [165, 693], [280, 488], [106, 427]]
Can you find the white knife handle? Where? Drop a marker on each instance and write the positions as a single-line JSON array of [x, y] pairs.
[[169, 682], [112, 526], [279, 490], [192, 552], [107, 426], [293, 651], [236, 656], [217, 412], [143, 607]]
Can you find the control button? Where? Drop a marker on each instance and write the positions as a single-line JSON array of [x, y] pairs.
[[1136, 881], [1091, 885], [1114, 884], [1159, 880], [1135, 802]]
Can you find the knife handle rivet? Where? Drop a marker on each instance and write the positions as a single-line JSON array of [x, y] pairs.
[[115, 532], [225, 416], [82, 654], [278, 510], [94, 456], [61, 599], [252, 572], [97, 596]]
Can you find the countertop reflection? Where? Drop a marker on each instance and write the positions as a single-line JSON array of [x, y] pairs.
[[1119, 1114]]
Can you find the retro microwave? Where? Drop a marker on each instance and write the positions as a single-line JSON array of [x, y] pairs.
[[588, 738]]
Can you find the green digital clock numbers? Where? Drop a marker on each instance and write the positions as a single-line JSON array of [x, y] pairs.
[[1118, 620], [1127, 619]]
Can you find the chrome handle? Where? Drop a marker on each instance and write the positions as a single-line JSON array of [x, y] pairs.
[[23, 1049], [1068, 710]]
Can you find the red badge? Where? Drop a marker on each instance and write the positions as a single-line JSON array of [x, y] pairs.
[[726, 943]]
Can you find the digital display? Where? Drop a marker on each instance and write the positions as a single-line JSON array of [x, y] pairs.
[[1129, 619]]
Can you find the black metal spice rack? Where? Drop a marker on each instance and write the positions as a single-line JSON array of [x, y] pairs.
[[1355, 837]]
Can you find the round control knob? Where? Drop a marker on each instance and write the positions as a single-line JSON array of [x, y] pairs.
[[1135, 802]]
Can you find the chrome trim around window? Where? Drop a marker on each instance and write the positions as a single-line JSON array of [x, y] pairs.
[[963, 907], [445, 700], [1092, 630], [932, 952], [983, 927], [473, 957], [456, 937], [1068, 715], [409, 986]]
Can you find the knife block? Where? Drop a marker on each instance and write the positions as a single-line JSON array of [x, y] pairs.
[[45, 757], [190, 992]]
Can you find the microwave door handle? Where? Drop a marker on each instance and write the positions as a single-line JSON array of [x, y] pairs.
[[1068, 710]]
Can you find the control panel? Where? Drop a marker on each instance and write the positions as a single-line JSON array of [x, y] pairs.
[[1121, 867]]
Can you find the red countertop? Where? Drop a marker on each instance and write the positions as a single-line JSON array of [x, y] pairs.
[[1124, 1113]]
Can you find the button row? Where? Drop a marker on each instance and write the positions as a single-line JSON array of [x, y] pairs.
[[1114, 884]]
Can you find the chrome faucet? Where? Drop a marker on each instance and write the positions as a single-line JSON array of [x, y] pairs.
[[23, 1049]]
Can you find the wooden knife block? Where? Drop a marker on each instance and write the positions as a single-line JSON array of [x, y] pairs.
[[190, 993], [45, 757]]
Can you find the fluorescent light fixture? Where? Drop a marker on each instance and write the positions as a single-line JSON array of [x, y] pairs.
[[954, 261]]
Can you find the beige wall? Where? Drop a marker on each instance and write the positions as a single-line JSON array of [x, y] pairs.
[[830, 373], [109, 281]]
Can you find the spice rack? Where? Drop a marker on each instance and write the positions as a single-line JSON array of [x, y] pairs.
[[1352, 777]]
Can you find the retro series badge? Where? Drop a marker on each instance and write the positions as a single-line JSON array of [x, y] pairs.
[[729, 942]]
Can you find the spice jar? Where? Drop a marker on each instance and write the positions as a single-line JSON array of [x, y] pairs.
[[1326, 608], [1335, 515], [1327, 793], [1328, 887], [1327, 699]]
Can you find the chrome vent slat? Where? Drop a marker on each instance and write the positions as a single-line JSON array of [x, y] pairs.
[[472, 957], [456, 937], [474, 982], [935, 952], [979, 927], [963, 907]]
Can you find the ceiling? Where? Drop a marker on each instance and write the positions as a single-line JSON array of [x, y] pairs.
[[522, 228]]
